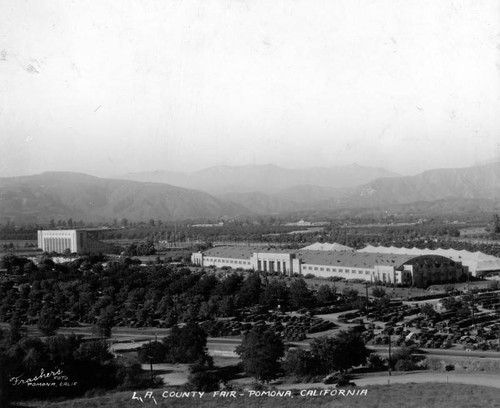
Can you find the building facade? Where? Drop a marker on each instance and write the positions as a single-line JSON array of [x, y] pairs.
[[419, 270], [78, 241]]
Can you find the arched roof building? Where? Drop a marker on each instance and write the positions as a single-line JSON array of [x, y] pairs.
[[478, 264], [419, 270]]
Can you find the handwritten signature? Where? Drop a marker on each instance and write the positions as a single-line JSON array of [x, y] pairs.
[[44, 379]]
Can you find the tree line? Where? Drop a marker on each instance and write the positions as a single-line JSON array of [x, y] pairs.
[[124, 293]]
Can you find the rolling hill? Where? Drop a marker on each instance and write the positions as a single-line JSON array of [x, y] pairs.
[[476, 182], [61, 195], [263, 178]]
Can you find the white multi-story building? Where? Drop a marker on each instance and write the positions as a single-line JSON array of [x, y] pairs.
[[76, 241]]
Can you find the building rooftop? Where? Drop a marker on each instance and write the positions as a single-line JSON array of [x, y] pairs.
[[239, 252], [476, 261], [325, 246], [351, 259]]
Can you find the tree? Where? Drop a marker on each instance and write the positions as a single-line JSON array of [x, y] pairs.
[[450, 303], [4, 381], [326, 294], [345, 350], [105, 322], [48, 323], [260, 352], [226, 306], [202, 379], [300, 363], [428, 310], [187, 345], [152, 352], [350, 293], [378, 292], [275, 294], [94, 357], [250, 290], [496, 224], [404, 359], [300, 295], [15, 330], [381, 304], [375, 361]]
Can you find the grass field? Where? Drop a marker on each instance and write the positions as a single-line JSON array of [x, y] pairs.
[[426, 395]]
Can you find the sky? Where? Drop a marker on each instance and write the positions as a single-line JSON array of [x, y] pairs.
[[107, 87]]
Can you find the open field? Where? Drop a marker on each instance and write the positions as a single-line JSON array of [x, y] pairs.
[[425, 395]]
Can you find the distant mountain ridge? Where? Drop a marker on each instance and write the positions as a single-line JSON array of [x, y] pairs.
[[476, 182], [262, 178], [61, 195]]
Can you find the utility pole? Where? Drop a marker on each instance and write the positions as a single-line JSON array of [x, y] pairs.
[[366, 289], [390, 357], [150, 357], [473, 315]]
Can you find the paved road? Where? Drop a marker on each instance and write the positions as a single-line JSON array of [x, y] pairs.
[[488, 380], [229, 344], [443, 352], [225, 344]]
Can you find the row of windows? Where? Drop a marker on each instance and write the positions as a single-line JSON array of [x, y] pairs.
[[56, 244], [57, 234], [340, 270], [231, 261]]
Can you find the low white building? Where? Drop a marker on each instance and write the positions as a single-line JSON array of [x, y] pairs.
[[478, 264], [419, 270]]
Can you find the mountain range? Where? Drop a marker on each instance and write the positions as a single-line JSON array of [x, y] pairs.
[[262, 178], [246, 190], [62, 195]]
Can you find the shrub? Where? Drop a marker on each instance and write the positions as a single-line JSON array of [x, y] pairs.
[[202, 379], [375, 361], [405, 365], [300, 363], [433, 363], [152, 352]]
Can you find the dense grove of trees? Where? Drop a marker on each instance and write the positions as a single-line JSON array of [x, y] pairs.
[[327, 355], [69, 365], [262, 350], [356, 232], [105, 295], [146, 247]]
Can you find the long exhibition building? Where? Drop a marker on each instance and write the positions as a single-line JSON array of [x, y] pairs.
[[415, 270]]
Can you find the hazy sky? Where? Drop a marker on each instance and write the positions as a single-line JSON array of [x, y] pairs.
[[112, 86]]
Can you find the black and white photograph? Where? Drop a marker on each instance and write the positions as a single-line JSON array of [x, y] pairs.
[[249, 203]]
